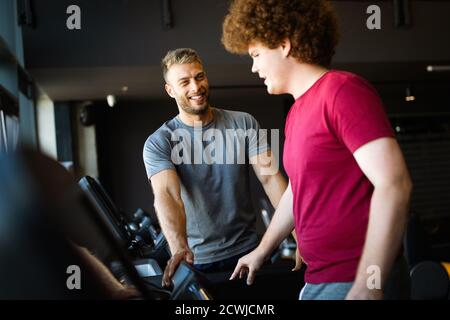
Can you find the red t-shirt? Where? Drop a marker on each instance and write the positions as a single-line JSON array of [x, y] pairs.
[[337, 115]]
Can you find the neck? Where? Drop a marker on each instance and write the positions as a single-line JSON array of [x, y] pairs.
[[189, 119], [302, 76]]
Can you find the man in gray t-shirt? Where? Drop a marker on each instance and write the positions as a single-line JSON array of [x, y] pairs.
[[198, 164]]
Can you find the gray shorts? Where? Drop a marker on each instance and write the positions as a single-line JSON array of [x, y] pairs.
[[397, 286], [325, 291]]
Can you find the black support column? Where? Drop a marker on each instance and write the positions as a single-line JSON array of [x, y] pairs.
[[65, 140]]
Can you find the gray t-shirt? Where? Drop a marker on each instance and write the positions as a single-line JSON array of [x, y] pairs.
[[212, 163]]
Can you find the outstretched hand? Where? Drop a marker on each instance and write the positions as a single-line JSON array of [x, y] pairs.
[[248, 265]]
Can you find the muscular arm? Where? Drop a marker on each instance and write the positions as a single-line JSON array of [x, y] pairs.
[[170, 209], [172, 218], [383, 164]]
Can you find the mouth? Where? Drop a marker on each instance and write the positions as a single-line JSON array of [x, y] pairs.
[[198, 96]]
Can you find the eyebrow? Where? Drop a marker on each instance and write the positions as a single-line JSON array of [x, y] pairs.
[[201, 73], [183, 79]]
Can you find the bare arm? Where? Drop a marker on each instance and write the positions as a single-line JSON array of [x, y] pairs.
[[279, 228], [172, 218], [273, 182], [112, 287], [274, 185], [382, 162]]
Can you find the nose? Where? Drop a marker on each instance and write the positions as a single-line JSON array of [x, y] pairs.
[[194, 86], [254, 67]]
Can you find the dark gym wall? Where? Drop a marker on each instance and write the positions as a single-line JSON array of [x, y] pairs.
[[119, 36]]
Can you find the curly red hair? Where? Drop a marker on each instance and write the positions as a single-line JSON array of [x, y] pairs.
[[310, 25]]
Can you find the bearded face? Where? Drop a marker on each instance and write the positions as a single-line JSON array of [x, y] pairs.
[[188, 85]]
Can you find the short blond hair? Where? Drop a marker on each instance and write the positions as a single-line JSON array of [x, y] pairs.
[[179, 56]]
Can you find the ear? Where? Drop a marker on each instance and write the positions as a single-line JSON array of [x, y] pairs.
[[286, 47], [169, 90]]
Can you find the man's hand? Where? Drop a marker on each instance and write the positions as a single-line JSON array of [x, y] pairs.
[[172, 264], [298, 261], [363, 293], [248, 264]]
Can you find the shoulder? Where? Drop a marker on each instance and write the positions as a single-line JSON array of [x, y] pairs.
[[161, 138], [237, 118], [338, 82], [347, 90]]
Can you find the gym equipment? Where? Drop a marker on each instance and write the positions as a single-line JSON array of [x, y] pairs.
[[141, 236], [429, 281], [426, 246], [274, 281], [186, 280], [188, 284], [44, 216]]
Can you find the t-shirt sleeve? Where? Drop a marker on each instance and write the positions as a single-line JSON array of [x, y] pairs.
[[358, 115], [157, 155], [257, 142]]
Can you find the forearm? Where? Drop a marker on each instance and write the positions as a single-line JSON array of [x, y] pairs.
[[112, 288], [388, 214], [274, 186], [281, 225], [172, 219]]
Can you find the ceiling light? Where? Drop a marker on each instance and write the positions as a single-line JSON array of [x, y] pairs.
[[443, 68], [409, 95], [111, 99]]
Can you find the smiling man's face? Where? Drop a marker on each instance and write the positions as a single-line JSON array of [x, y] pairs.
[[188, 85]]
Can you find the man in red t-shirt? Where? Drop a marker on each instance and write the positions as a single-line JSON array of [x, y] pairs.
[[349, 187]]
